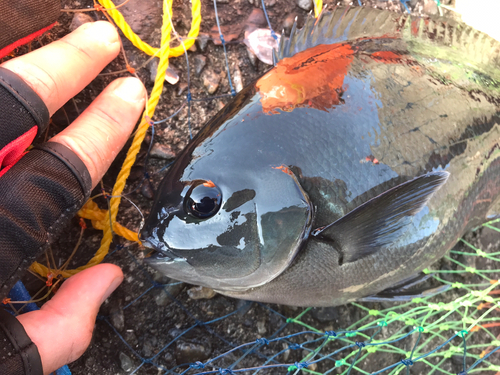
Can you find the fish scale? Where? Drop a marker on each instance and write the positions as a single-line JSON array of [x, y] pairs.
[[357, 161]]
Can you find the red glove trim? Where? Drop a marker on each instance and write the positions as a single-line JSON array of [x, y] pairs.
[[18, 43], [13, 151]]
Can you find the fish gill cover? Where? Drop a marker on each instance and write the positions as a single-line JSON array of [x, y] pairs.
[[152, 326]]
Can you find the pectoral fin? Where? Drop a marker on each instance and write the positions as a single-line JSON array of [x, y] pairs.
[[378, 222]]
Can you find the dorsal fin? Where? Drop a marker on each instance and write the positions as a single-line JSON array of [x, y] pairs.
[[432, 38]]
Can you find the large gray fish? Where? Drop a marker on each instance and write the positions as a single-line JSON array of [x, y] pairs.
[[356, 162]]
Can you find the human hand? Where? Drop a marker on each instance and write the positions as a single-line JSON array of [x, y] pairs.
[[62, 329]]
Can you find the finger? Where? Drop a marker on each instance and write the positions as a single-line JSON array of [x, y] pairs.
[[60, 70], [62, 329], [100, 132]]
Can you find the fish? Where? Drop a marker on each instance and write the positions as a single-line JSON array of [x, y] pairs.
[[357, 161]]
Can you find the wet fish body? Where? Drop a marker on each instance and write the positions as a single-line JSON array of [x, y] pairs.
[[357, 161]]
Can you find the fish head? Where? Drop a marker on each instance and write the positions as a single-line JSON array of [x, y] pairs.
[[226, 231]]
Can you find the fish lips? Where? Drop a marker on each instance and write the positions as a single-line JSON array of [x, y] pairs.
[[168, 263]]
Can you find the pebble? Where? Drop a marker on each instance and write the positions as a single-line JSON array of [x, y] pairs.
[[147, 349], [202, 41], [168, 357], [159, 151], [171, 75], [261, 42], [161, 299], [181, 88], [267, 3], [252, 57], [237, 79], [261, 327], [147, 189], [153, 69], [430, 7], [126, 362], [199, 63], [79, 19], [117, 318], [243, 306], [286, 352], [190, 352], [171, 290], [325, 314], [288, 23], [307, 5], [201, 292], [211, 81]]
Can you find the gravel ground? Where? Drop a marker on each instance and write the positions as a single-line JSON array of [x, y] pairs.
[[153, 321]]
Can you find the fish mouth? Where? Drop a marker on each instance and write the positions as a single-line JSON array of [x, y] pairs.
[[162, 253]]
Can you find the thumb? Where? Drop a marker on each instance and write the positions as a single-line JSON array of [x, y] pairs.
[[62, 329]]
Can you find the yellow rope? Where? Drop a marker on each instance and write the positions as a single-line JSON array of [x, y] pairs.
[[318, 7], [145, 47], [101, 218]]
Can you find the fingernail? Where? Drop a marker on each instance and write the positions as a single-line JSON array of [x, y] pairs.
[[102, 31], [111, 288], [130, 89]]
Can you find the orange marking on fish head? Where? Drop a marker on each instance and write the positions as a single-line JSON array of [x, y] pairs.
[[209, 183], [313, 78]]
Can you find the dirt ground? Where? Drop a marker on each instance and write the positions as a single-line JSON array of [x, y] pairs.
[[139, 320]]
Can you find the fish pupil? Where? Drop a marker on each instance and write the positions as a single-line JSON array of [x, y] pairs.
[[203, 201]]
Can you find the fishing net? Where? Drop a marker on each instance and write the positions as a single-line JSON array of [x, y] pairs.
[[151, 325]]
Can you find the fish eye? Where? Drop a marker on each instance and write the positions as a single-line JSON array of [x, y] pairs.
[[203, 200]]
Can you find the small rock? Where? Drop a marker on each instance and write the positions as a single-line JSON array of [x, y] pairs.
[[223, 1], [147, 349], [159, 151], [153, 69], [193, 48], [181, 88], [79, 19], [255, 20], [201, 292], [168, 357], [126, 362], [199, 63], [89, 362], [171, 75], [269, 3], [252, 57], [130, 337], [147, 189], [243, 306], [307, 5], [202, 41], [211, 81], [117, 318], [325, 314], [190, 352], [262, 43], [162, 299], [174, 288], [237, 79], [261, 327], [288, 23], [286, 352], [430, 7]]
